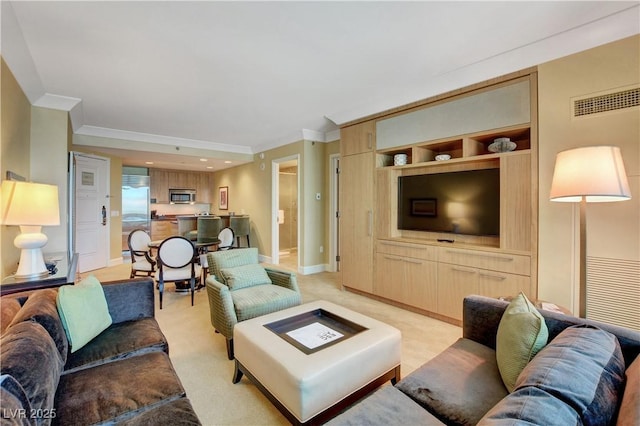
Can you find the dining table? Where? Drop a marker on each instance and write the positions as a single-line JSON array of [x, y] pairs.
[[202, 246]]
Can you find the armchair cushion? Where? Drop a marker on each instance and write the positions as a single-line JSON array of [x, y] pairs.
[[219, 260], [251, 302], [245, 276]]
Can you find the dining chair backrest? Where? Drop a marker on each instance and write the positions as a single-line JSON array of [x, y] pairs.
[[186, 224], [176, 252], [208, 228], [138, 242], [241, 227], [226, 238]]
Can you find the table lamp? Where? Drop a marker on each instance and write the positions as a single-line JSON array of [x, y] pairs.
[[30, 206], [593, 174]]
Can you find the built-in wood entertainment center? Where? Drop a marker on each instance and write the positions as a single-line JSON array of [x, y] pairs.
[[425, 271]]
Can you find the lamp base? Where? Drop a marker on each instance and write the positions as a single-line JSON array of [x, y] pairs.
[[31, 265]]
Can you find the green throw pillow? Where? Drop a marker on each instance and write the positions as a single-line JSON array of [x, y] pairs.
[[83, 310], [245, 276], [521, 334]]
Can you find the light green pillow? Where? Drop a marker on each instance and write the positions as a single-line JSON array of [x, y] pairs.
[[521, 334], [245, 276], [83, 310]]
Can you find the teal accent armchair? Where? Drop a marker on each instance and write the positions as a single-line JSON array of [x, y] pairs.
[[239, 288]]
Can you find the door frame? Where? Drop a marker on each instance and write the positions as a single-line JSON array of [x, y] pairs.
[[334, 208], [275, 201]]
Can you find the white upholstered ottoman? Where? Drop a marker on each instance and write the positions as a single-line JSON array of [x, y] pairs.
[[310, 385]]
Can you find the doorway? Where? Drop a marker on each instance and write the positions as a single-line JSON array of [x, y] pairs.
[[90, 205], [285, 235]]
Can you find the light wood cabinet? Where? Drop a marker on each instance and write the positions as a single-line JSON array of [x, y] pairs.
[[356, 198], [163, 180], [358, 138], [356, 221], [159, 185], [411, 266], [407, 273], [464, 272], [161, 229]]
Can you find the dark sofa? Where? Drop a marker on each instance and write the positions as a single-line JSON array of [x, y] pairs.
[[566, 383], [122, 376]]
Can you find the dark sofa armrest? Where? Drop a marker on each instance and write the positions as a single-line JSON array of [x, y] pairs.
[[481, 317], [130, 299]]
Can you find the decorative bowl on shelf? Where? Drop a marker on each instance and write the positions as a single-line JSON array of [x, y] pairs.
[[443, 157], [502, 145], [400, 159]]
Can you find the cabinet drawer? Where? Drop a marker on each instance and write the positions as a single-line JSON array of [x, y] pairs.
[[417, 251], [513, 263]]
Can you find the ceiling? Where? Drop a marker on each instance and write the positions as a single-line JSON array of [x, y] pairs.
[[225, 80]]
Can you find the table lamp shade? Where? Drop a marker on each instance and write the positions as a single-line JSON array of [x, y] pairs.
[[594, 172], [27, 203]]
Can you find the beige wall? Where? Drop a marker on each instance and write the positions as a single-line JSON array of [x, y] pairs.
[[613, 229], [15, 119], [250, 190]]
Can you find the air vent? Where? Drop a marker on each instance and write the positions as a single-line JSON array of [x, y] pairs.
[[607, 102]]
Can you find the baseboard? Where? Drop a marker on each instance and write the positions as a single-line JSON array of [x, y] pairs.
[[264, 259], [116, 261], [315, 269]]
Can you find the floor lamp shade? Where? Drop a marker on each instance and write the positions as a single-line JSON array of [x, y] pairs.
[[30, 206], [594, 172]]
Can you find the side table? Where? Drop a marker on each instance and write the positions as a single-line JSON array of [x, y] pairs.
[[65, 274]]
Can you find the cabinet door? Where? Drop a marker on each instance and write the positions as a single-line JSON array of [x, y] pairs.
[[358, 138], [390, 277], [498, 284], [356, 221], [454, 283], [159, 187], [204, 188], [421, 278]]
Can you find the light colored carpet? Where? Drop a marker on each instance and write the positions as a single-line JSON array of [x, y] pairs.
[[200, 358]]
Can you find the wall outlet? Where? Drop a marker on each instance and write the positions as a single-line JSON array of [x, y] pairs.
[[321, 249]]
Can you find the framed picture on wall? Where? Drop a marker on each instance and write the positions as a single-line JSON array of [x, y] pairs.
[[223, 198]]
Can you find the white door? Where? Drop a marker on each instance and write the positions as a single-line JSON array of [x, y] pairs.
[[90, 213]]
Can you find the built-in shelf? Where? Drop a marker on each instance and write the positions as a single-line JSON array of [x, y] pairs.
[[462, 148]]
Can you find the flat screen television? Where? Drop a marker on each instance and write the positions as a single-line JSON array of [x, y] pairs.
[[466, 202]]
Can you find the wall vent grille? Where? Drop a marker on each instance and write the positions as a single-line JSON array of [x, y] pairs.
[[613, 291], [607, 102]]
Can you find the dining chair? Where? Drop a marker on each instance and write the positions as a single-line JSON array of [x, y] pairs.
[[241, 228], [227, 238], [177, 262], [142, 264]]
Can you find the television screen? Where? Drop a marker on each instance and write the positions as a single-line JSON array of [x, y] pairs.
[[466, 202]]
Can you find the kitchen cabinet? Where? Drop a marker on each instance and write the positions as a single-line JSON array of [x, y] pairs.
[[163, 180], [161, 229]]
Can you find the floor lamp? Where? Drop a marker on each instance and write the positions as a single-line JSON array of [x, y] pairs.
[[593, 174], [30, 206]]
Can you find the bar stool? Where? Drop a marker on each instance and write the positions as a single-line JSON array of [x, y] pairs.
[[208, 230], [187, 226], [241, 227]]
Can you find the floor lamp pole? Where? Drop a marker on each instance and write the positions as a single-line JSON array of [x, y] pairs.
[[582, 291]]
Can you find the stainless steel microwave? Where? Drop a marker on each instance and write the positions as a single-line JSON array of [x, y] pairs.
[[182, 196]]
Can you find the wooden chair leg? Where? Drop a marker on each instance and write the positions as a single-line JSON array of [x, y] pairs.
[[230, 349]]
